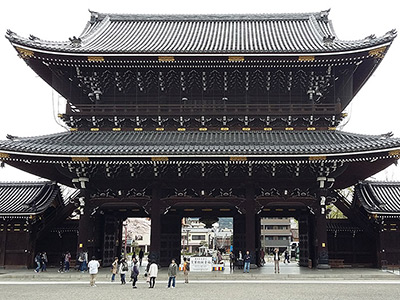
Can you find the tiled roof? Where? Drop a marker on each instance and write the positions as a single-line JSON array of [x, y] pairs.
[[26, 198], [202, 34], [142, 143], [381, 198], [341, 225]]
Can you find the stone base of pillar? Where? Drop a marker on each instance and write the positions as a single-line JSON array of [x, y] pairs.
[[323, 266]]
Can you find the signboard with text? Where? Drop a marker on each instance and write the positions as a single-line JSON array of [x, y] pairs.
[[201, 264]]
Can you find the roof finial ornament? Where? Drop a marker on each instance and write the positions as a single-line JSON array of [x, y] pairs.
[[371, 37], [328, 39], [10, 33], [11, 137], [391, 33], [33, 38], [75, 42], [94, 16], [386, 135], [324, 15]]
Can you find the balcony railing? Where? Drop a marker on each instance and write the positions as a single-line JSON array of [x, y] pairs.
[[203, 109]]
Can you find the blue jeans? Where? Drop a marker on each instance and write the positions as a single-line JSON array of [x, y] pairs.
[[172, 278], [66, 266], [246, 267], [38, 267], [113, 277]]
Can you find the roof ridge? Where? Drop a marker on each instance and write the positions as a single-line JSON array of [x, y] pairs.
[[97, 16]]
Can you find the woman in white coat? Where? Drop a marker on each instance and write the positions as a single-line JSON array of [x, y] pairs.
[[153, 271]]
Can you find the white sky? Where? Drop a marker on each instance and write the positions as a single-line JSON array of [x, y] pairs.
[[26, 107]]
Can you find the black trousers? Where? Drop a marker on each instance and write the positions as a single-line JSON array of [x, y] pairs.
[[134, 279], [152, 281]]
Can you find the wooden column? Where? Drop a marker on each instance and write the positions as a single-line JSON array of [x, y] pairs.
[[250, 223], [85, 237], [3, 244], [155, 231], [321, 241], [239, 233]]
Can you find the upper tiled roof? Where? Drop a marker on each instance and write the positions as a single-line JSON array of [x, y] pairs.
[[381, 198], [206, 34], [132, 143], [26, 198]]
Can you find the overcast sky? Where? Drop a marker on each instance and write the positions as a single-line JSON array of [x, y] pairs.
[[27, 101]]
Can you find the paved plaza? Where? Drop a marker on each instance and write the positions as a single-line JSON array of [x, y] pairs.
[[292, 283]]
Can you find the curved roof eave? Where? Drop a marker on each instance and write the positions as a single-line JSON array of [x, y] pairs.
[[211, 54]]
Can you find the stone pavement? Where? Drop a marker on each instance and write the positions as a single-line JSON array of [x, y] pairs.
[[287, 272]]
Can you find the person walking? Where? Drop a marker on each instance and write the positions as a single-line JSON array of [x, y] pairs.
[[172, 272], [247, 259], [38, 259], [232, 261], [276, 259], [134, 273], [93, 266], [287, 257], [44, 261], [114, 269], [67, 260], [262, 257], [152, 274], [123, 269], [61, 262], [141, 255], [186, 269]]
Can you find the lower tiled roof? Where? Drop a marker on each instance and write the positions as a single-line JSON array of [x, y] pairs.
[[381, 198], [26, 198], [341, 225], [198, 143]]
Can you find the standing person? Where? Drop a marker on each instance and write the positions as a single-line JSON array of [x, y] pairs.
[[93, 266], [67, 260], [61, 262], [276, 259], [232, 260], [247, 259], [172, 272], [262, 257], [38, 259], [186, 269], [240, 260], [134, 273], [123, 269], [85, 262], [114, 269], [287, 258], [44, 261], [141, 254], [152, 274], [219, 257]]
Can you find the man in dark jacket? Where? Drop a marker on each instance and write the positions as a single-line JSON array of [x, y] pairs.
[[134, 273], [172, 272]]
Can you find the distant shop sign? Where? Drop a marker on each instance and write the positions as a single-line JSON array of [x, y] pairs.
[[201, 264]]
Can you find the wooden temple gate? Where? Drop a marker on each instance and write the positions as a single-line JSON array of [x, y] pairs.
[[163, 128]]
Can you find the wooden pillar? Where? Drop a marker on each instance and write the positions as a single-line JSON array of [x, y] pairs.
[[85, 229], [3, 244], [155, 230], [250, 223], [321, 241], [239, 233], [170, 239]]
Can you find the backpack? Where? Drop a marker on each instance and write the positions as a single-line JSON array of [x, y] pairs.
[[125, 267]]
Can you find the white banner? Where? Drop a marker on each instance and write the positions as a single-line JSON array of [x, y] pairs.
[[200, 264]]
